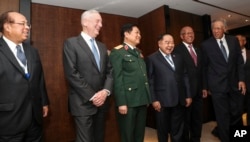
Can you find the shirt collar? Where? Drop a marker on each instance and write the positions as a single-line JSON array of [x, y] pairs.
[[86, 36], [130, 46], [163, 54], [223, 39], [11, 44]]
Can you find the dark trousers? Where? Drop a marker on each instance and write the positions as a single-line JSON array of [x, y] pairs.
[[170, 120], [247, 97], [132, 125], [32, 134], [228, 109], [90, 128], [193, 120]]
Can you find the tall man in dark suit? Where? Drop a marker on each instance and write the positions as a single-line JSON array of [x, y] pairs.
[[23, 96], [169, 87], [88, 71], [223, 76], [246, 57], [192, 58], [131, 88]]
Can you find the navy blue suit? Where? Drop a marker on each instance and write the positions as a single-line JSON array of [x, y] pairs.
[[170, 87], [222, 78]]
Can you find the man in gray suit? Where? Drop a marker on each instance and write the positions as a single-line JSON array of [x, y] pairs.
[[88, 72]]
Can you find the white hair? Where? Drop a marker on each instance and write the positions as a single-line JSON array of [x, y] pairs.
[[87, 13]]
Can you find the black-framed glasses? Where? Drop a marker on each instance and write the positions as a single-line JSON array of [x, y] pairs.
[[22, 24]]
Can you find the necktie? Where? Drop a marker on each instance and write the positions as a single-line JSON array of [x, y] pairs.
[[223, 50], [193, 55], [95, 52], [169, 59], [20, 55], [134, 50]]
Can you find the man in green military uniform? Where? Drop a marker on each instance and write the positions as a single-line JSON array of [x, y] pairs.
[[131, 88]]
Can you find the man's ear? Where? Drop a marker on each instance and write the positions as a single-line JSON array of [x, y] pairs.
[[6, 27]]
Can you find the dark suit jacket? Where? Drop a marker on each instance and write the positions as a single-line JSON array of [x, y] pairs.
[[218, 75], [21, 99], [83, 75], [166, 85], [247, 70], [130, 77], [194, 72]]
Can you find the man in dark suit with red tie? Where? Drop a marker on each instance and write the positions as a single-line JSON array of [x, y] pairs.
[[23, 96], [169, 88], [223, 76], [192, 58]]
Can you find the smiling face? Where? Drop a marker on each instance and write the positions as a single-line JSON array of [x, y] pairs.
[[187, 35], [133, 37], [166, 44], [92, 24], [17, 28]]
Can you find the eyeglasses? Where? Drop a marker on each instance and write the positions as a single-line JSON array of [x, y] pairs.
[[22, 24]]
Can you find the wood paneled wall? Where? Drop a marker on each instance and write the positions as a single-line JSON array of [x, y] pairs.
[[151, 26], [51, 25], [6, 5], [178, 19]]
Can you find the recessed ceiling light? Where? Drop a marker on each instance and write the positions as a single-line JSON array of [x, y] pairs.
[[229, 15], [246, 20]]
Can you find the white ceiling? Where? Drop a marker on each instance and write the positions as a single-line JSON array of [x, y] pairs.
[[137, 8]]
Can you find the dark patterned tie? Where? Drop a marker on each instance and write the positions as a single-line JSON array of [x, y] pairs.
[[20, 55], [223, 50], [193, 55]]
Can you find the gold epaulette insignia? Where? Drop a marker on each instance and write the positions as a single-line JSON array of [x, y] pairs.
[[118, 47]]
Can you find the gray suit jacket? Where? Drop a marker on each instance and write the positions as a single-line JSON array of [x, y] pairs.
[[21, 98], [83, 75]]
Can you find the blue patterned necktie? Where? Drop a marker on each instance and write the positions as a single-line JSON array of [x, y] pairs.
[[168, 57], [20, 55], [95, 52], [223, 50]]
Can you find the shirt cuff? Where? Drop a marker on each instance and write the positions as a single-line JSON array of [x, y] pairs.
[[107, 92]]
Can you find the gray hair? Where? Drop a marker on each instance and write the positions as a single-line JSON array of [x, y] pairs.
[[220, 20], [87, 13]]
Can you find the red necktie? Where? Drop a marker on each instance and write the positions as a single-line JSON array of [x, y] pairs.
[[193, 55]]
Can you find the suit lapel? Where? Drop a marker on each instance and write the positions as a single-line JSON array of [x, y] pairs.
[[187, 54], [28, 57], [163, 60], [230, 49], [217, 49], [87, 49], [102, 55], [4, 48]]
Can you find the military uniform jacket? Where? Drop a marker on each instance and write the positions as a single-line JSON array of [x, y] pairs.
[[130, 77]]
